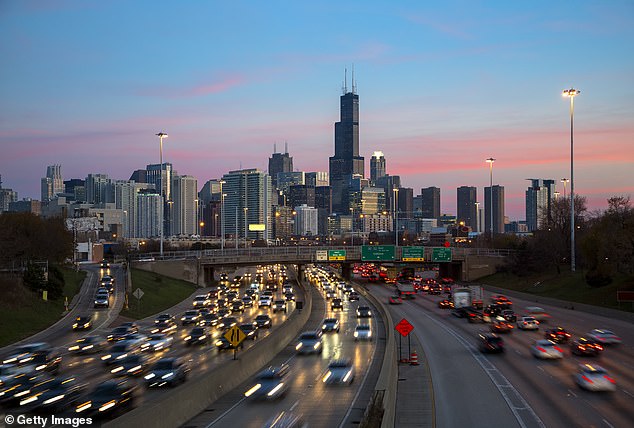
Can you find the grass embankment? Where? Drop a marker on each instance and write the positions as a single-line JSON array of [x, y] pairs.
[[159, 293], [23, 312], [565, 286]]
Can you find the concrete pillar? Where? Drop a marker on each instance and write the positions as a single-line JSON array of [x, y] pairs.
[[208, 275], [346, 271]]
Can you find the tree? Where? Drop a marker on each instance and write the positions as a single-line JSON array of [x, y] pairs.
[[34, 277], [56, 282]]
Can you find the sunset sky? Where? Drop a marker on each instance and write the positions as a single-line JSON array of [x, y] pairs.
[[87, 84]]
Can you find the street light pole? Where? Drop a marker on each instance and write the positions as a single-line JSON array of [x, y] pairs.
[[162, 135], [222, 216], [395, 216], [246, 210], [352, 227], [572, 93], [490, 161]]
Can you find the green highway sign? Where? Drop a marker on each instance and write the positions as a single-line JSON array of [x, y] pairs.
[[413, 254], [336, 255], [377, 253], [441, 255]]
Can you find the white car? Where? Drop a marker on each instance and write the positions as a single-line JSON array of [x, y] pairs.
[[201, 301], [528, 323], [339, 372], [604, 337], [157, 342], [594, 378], [547, 350], [363, 332], [264, 301]]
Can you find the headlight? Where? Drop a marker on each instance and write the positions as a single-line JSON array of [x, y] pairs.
[[149, 376], [106, 357], [326, 376], [356, 334], [252, 390], [54, 399], [274, 390], [188, 337], [316, 345], [73, 348], [298, 346]]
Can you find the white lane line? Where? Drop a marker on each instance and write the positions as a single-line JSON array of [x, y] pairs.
[[483, 362], [226, 412], [628, 393], [608, 423], [294, 405], [572, 393]]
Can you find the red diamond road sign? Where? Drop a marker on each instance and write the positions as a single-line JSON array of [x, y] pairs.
[[404, 327]]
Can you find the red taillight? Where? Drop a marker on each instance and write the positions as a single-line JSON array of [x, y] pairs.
[[525, 323], [559, 349], [540, 349], [609, 378], [587, 379]]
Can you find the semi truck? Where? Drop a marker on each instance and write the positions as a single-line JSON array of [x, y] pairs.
[[467, 296], [406, 289]]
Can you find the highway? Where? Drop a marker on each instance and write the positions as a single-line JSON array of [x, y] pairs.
[[514, 388]]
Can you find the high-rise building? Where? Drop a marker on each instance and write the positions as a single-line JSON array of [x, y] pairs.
[[346, 162], [405, 203], [538, 202], [305, 220], [279, 162], [301, 195], [99, 189], [126, 192], [139, 176], [377, 166], [467, 196], [317, 179], [184, 210], [148, 214], [290, 178], [373, 201], [53, 183], [323, 203], [6, 197], [247, 202], [498, 209], [430, 204], [160, 176]]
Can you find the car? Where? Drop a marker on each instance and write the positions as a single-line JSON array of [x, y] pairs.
[[265, 301], [309, 342], [339, 372], [586, 347], [197, 336], [224, 312], [52, 395], [166, 372], [222, 303], [118, 333], [164, 326], [330, 324], [210, 320], [250, 329], [108, 398], [364, 312], [279, 305], [104, 264], [336, 303], [44, 360], [603, 336], [445, 304], [226, 322], [164, 317], [131, 325], [247, 301], [538, 313], [500, 325], [557, 335], [223, 344], [490, 343], [119, 351], [263, 321], [24, 352], [269, 384], [546, 349], [201, 301], [132, 365], [594, 378], [473, 315], [528, 323], [362, 332], [88, 345], [395, 300], [353, 296], [237, 306], [82, 322], [289, 297], [157, 342], [107, 283], [287, 288], [331, 293], [13, 389], [191, 317], [509, 315], [102, 300]]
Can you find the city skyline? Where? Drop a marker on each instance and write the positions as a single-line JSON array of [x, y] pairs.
[[441, 89]]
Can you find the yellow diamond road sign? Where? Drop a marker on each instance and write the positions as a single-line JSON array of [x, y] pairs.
[[235, 335]]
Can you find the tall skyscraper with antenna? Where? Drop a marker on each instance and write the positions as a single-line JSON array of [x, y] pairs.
[[346, 163], [279, 162]]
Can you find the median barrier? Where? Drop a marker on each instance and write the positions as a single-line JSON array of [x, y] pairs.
[[186, 401], [388, 377]]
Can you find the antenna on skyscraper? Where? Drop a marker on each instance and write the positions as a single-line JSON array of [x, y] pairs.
[[354, 87], [345, 81], [274, 148], [286, 147]]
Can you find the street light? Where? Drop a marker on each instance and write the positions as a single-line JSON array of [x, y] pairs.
[[572, 93], [222, 216], [352, 227], [395, 190], [490, 162], [162, 135], [246, 210], [565, 180], [477, 204]]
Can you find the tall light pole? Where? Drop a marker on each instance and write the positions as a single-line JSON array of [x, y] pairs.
[[395, 190], [490, 162], [222, 216], [352, 226], [246, 210], [162, 135], [478, 228], [572, 93], [564, 180]]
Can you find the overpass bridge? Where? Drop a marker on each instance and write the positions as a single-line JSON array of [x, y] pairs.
[[465, 264]]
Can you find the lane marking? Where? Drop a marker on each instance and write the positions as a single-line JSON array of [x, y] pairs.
[[608, 423], [572, 393]]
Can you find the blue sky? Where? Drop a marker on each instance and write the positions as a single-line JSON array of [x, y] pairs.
[[442, 87]]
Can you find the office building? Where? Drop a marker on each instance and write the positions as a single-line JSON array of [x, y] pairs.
[[6, 197], [301, 195], [279, 162], [160, 176], [373, 201], [283, 223], [430, 202], [247, 204], [305, 220], [139, 176], [538, 203], [498, 209], [99, 189], [26, 205], [126, 193], [467, 196], [184, 209], [388, 183], [377, 166], [53, 184], [346, 161], [288, 179], [317, 179], [405, 203], [148, 214], [324, 207]]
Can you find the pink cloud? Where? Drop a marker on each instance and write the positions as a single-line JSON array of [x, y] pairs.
[[221, 85]]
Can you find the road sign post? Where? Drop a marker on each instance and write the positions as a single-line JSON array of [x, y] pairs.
[[138, 293], [404, 328], [235, 336], [377, 253]]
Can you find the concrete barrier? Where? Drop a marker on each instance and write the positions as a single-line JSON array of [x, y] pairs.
[[388, 378], [186, 401]]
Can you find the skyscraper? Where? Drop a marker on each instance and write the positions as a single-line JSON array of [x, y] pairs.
[[377, 166], [498, 209], [467, 197], [247, 202], [405, 202], [430, 202], [53, 183], [99, 189], [279, 162], [185, 205], [346, 162], [148, 214], [538, 202]]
